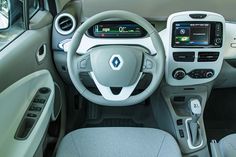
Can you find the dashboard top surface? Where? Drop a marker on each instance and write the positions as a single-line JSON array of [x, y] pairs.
[[161, 9]]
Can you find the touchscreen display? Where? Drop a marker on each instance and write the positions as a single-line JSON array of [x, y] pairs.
[[191, 34]]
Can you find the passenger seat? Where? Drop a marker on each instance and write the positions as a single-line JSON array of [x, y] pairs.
[[228, 146]]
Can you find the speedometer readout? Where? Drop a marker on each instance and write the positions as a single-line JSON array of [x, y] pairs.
[[118, 30]]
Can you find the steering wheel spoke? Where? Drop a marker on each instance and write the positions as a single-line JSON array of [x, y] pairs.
[[108, 94], [83, 63]]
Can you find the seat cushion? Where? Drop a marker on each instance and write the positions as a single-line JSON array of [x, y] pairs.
[[118, 142], [228, 146]]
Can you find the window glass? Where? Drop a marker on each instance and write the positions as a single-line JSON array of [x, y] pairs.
[[4, 10], [16, 19], [33, 7]]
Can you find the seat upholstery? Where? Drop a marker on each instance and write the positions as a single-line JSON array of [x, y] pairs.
[[228, 146], [118, 142]]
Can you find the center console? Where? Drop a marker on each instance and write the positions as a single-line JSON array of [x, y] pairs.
[[193, 42], [194, 47]]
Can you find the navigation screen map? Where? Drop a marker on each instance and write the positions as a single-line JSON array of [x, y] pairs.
[[191, 34]]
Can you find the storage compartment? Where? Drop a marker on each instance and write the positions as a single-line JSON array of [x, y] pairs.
[[180, 104], [26, 127]]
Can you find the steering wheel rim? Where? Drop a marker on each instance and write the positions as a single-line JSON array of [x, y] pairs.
[[158, 59]]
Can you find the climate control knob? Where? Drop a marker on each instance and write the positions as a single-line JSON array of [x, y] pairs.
[[179, 74]]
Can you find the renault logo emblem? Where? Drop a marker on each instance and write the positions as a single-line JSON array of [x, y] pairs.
[[116, 62]]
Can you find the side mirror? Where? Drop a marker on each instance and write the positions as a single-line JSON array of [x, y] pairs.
[[4, 14]]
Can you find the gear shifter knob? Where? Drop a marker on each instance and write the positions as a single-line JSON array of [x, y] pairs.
[[194, 127], [196, 109]]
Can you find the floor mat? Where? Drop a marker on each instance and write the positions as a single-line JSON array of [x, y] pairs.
[[219, 114], [129, 116]]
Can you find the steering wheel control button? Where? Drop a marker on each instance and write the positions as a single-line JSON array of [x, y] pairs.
[[83, 64], [179, 74], [116, 62], [149, 64]]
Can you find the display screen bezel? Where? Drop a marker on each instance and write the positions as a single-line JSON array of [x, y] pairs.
[[211, 35], [92, 33]]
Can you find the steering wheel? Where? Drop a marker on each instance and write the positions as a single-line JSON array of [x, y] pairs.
[[119, 66]]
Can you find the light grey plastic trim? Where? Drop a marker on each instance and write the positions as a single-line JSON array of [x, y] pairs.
[[40, 19], [229, 50], [159, 9], [55, 115], [59, 30], [189, 137]]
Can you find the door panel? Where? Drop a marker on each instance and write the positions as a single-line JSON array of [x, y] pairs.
[[21, 75], [19, 58], [15, 100]]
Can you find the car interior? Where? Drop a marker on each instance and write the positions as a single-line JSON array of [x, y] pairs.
[[117, 78]]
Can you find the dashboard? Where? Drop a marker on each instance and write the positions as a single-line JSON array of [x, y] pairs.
[[195, 44]]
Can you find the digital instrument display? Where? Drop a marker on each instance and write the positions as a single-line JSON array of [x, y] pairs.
[[117, 29], [191, 34]]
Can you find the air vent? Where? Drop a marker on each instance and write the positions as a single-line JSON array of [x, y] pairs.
[[184, 56], [65, 24], [208, 56]]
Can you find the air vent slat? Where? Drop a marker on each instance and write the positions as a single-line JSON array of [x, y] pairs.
[[66, 27], [208, 56], [64, 21]]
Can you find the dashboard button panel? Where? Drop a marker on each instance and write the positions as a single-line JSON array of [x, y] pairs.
[[201, 73]]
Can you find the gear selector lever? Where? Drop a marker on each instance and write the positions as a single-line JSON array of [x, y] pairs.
[[196, 109], [196, 112]]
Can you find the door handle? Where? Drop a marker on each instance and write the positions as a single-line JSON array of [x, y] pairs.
[[41, 53]]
